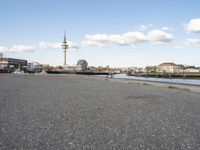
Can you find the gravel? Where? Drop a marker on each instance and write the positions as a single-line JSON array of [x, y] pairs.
[[83, 113]]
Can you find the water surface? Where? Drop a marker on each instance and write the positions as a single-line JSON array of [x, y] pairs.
[[166, 80]]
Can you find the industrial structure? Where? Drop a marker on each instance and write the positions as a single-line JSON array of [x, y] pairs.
[[65, 47]]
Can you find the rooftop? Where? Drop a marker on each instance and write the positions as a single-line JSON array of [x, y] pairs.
[[168, 64]]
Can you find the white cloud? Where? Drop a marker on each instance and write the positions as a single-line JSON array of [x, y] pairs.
[[145, 27], [193, 25], [73, 45], [3, 49], [89, 43], [21, 48], [133, 38], [57, 45], [167, 29], [179, 45], [129, 38], [41, 45], [193, 41], [188, 42], [142, 28], [159, 36], [102, 40], [17, 48], [99, 40], [116, 39], [46, 45]]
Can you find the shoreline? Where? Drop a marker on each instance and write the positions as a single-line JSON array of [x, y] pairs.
[[173, 83], [175, 86]]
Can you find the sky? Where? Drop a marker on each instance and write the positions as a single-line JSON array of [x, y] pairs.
[[118, 33]]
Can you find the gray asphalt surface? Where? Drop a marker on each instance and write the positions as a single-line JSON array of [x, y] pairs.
[[81, 113]]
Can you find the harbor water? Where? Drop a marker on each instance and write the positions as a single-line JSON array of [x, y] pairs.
[[163, 80]]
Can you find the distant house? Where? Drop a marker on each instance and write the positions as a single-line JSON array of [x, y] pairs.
[[168, 67]]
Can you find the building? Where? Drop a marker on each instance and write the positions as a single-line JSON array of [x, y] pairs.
[[34, 67], [81, 65], [92, 69], [168, 67], [180, 68], [191, 69], [10, 64], [1, 55], [151, 69], [136, 69], [124, 70], [69, 68]]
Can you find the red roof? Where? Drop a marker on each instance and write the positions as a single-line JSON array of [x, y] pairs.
[[168, 64]]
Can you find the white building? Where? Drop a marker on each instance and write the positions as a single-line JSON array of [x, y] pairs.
[[168, 67], [34, 67]]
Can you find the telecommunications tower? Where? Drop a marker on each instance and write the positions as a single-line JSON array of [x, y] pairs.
[[65, 47]]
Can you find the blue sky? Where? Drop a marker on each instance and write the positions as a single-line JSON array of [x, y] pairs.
[[118, 33]]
